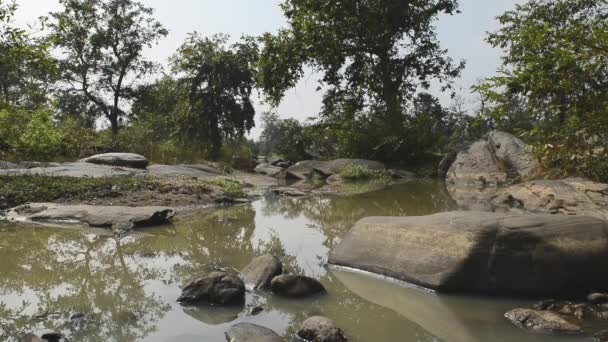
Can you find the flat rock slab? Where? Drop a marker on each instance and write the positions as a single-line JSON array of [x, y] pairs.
[[305, 169], [95, 216], [247, 332], [542, 322], [268, 169], [485, 253], [76, 170], [173, 171], [119, 159]]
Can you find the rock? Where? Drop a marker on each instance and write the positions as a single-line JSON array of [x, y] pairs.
[[598, 298], [76, 170], [445, 164], [247, 332], [30, 338], [276, 161], [289, 192], [571, 196], [401, 174], [194, 171], [321, 329], [513, 154], [289, 285], [601, 336], [53, 337], [302, 170], [131, 160], [95, 216], [543, 322], [267, 169], [259, 273], [486, 253], [6, 165], [219, 288], [305, 169]]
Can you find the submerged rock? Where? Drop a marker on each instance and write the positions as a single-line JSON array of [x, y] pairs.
[[480, 252], [247, 332], [544, 322], [219, 288], [259, 273], [95, 216], [289, 285], [321, 329], [131, 160]]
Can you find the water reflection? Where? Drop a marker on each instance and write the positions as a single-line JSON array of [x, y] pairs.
[[126, 289]]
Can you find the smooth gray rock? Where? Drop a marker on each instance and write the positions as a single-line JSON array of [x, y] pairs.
[[305, 169], [173, 171], [216, 288], [571, 196], [542, 322], [512, 154], [247, 332], [259, 273], [131, 160], [95, 216], [486, 253], [76, 170], [289, 285], [321, 329], [267, 169], [302, 170]]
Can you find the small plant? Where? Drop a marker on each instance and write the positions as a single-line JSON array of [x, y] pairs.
[[356, 172], [232, 188]]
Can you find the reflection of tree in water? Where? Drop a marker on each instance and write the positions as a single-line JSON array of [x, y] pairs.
[[335, 215], [70, 272]]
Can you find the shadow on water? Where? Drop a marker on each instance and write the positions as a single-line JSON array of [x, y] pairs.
[[127, 289]]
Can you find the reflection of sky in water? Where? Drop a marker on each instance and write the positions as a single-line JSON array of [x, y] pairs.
[[297, 236], [131, 286]]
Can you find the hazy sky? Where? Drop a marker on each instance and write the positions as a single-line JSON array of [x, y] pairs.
[[463, 35]]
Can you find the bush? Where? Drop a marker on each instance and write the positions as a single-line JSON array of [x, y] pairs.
[[232, 188], [356, 172]]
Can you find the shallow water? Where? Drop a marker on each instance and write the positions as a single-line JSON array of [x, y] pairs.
[[127, 288]]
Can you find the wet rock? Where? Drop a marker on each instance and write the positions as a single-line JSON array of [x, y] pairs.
[[131, 160], [95, 216], [601, 336], [219, 288], [598, 298], [321, 329], [255, 310], [543, 322], [570, 196], [289, 285], [289, 192], [247, 332], [479, 252], [267, 169], [259, 273]]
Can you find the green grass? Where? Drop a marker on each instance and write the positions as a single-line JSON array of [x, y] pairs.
[[356, 172], [232, 188], [17, 190]]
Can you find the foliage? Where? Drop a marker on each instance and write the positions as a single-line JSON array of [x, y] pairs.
[[220, 80], [237, 155], [555, 71], [17, 190], [101, 42], [356, 172], [232, 188], [285, 137], [31, 135]]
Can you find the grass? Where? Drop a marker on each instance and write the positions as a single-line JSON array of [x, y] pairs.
[[354, 172], [17, 190], [232, 188]]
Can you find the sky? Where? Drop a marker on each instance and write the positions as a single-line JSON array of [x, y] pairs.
[[463, 35]]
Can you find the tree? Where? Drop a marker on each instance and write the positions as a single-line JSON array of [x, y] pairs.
[[220, 79], [285, 137], [101, 42], [556, 73], [26, 68], [374, 54]]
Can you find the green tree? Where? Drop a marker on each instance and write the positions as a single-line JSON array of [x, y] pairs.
[[556, 69], [285, 137], [374, 54], [220, 80], [101, 42], [26, 68]]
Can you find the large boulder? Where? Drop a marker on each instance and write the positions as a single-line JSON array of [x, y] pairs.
[[543, 322], [216, 288], [95, 216], [305, 169], [261, 270], [267, 169], [302, 170], [290, 285], [480, 170], [321, 329], [247, 332], [131, 160], [485, 253], [571, 196]]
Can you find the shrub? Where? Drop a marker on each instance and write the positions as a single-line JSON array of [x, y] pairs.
[[356, 172]]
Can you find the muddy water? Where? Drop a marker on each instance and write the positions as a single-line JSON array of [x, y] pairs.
[[125, 290]]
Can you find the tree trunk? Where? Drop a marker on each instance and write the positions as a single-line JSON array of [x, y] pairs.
[[114, 127]]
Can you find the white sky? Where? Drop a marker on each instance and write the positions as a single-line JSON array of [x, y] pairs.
[[463, 35]]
